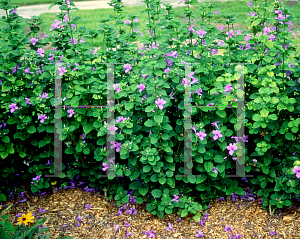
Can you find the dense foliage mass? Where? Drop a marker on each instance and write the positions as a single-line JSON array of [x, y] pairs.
[[152, 87]]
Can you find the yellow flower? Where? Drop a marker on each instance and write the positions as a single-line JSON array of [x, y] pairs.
[[53, 183], [26, 219]]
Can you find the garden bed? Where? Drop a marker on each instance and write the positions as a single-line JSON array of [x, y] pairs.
[[245, 216]]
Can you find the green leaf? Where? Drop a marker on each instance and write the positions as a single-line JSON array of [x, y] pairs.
[[158, 72], [257, 117], [31, 130], [273, 117], [149, 109], [3, 197], [197, 217], [264, 113], [11, 120], [184, 213], [42, 143], [158, 119], [208, 166], [150, 207], [139, 200], [239, 191], [169, 173], [289, 136], [88, 128], [218, 158], [201, 187], [129, 105], [143, 191], [147, 169], [125, 199], [6, 139], [192, 179], [69, 150], [149, 123], [269, 44], [156, 193], [222, 145], [256, 22], [19, 83], [52, 5], [263, 184], [162, 180]]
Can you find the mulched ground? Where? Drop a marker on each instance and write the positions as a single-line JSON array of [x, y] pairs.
[[245, 216]]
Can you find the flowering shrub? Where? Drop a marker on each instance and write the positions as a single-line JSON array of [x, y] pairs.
[[150, 114]]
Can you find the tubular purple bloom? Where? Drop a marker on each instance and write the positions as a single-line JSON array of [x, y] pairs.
[[228, 228], [199, 234]]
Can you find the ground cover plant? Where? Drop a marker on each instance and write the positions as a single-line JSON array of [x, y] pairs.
[[148, 82]]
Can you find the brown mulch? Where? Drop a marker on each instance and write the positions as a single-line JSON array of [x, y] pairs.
[[246, 218]]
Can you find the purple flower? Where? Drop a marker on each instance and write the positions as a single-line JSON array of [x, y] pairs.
[[199, 234], [252, 14], [42, 210], [272, 233], [175, 198], [201, 135], [79, 218], [150, 234], [33, 40], [296, 170], [215, 170], [13, 107], [216, 12], [191, 29], [40, 52], [217, 134], [128, 234], [141, 87], [112, 129], [214, 51], [228, 228], [127, 22], [116, 227], [201, 33], [160, 103], [62, 70], [37, 178], [267, 30], [170, 227], [44, 35], [249, 4], [14, 11], [119, 212], [42, 117], [221, 28], [104, 166], [71, 112], [131, 211], [215, 124], [239, 32], [49, 163], [126, 224], [231, 148], [88, 206], [228, 88], [27, 70], [128, 67], [231, 34]]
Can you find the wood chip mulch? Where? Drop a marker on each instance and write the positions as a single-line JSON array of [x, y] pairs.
[[244, 217]]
